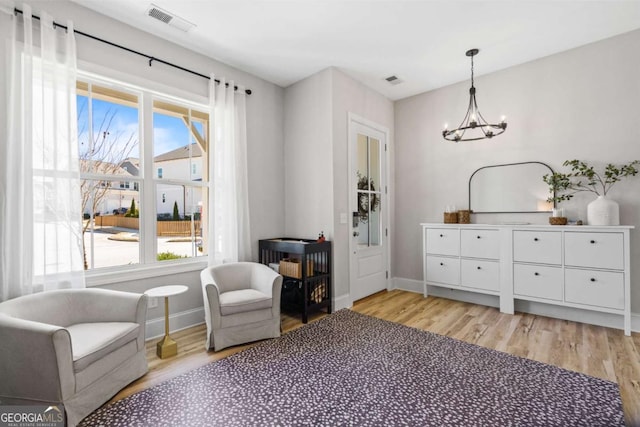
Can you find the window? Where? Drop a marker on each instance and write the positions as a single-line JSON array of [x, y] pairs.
[[180, 145], [131, 215]]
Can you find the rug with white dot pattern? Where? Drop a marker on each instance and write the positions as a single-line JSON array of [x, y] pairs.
[[349, 369]]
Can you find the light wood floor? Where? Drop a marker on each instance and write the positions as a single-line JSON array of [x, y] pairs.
[[593, 350]]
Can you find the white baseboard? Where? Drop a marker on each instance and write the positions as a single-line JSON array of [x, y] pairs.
[[177, 322], [343, 301], [409, 285], [549, 310]]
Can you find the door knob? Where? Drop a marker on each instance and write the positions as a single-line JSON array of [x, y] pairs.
[[356, 234]]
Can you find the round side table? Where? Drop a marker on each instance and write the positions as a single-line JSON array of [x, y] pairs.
[[166, 347]]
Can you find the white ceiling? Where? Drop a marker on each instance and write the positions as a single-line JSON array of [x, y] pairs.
[[421, 42]]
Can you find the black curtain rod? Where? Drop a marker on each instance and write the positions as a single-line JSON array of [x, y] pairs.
[[149, 57]]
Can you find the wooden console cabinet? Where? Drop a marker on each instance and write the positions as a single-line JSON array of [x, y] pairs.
[[584, 267]]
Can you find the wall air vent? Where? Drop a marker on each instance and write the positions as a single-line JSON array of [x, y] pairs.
[[169, 18], [394, 80]]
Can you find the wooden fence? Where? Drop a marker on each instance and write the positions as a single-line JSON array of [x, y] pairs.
[[164, 228]]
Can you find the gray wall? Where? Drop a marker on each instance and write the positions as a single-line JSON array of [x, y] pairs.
[[579, 104], [264, 120], [316, 158]]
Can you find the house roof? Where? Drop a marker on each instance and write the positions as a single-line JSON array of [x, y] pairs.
[[100, 167], [180, 153]]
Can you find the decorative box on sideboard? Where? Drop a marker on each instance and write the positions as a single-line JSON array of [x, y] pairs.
[[306, 268]]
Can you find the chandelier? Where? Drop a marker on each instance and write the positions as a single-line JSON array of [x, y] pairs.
[[473, 122]]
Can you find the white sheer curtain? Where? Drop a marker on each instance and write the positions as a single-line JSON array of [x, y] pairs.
[[229, 233], [41, 214]]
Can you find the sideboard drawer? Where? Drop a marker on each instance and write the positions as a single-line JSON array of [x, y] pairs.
[[543, 247], [597, 250], [480, 244], [596, 288], [537, 281], [443, 241], [480, 274], [443, 270]]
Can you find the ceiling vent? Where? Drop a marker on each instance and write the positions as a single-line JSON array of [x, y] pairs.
[[168, 18], [394, 80]]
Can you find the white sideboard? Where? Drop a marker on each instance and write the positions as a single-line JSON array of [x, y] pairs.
[[584, 267]]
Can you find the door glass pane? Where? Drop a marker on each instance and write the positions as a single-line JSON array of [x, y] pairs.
[[363, 162], [369, 191], [374, 163], [374, 219]]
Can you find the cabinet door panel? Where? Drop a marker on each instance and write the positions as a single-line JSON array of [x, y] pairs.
[[443, 241], [480, 244], [593, 287], [539, 281], [543, 247], [597, 250], [443, 270]]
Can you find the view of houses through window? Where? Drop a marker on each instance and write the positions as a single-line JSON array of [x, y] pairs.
[[140, 206]]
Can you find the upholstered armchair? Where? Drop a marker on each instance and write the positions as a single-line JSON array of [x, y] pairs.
[[76, 347], [241, 303]]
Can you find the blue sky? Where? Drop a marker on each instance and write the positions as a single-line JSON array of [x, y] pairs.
[[169, 132]]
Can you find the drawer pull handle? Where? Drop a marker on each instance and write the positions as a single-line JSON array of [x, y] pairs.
[[593, 241], [536, 274], [592, 279], [535, 239], [478, 267], [442, 263], [441, 235], [477, 237]]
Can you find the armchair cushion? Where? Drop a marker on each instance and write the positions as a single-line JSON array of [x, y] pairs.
[[242, 301], [93, 341]]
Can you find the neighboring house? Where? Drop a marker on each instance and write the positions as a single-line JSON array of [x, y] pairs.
[[182, 164], [112, 195], [179, 165]]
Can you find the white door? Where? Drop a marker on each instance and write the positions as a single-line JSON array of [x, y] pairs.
[[369, 209]]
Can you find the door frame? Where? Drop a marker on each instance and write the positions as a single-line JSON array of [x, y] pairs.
[[353, 119]]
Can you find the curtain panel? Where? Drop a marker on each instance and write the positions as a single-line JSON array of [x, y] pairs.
[[41, 243], [230, 237]]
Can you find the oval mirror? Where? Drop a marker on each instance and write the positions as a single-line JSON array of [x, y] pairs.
[[510, 188]]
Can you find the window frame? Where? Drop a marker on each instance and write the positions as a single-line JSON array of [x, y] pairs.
[[145, 182]]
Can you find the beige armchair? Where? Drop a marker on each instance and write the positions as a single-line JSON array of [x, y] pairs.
[[241, 303], [76, 347]]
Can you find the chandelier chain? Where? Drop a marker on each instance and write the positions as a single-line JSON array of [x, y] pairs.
[[472, 70]]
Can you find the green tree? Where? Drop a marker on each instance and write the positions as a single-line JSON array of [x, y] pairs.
[[133, 211], [176, 213]]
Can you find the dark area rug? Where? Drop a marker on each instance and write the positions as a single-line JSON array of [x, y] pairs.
[[355, 370]]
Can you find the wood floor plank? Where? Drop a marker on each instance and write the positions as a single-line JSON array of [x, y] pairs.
[[593, 350]]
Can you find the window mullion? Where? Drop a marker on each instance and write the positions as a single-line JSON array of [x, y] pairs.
[[148, 236]]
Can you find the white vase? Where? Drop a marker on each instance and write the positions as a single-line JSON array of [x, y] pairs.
[[603, 211]]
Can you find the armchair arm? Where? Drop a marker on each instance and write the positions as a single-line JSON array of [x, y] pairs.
[[36, 361], [211, 297], [267, 281]]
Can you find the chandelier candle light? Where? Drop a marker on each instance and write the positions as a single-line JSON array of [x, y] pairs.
[[474, 120]]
